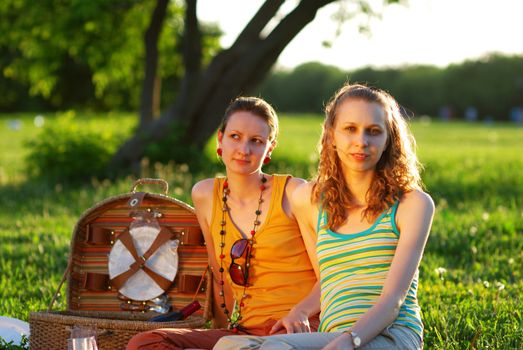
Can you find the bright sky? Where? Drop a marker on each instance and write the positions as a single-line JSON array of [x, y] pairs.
[[436, 32]]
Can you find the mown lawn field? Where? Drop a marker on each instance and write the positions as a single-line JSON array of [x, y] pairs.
[[471, 282]]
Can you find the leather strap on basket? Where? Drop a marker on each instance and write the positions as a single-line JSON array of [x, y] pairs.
[[136, 199], [92, 281], [127, 240], [97, 235], [134, 307]]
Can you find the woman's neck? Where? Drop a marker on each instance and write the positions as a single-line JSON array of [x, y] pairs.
[[359, 184], [245, 186]]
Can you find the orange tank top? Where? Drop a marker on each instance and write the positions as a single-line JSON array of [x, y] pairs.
[[281, 274]]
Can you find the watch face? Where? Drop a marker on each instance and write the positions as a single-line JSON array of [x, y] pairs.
[[356, 340]]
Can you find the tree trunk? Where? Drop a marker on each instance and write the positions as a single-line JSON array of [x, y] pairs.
[[151, 87], [192, 61], [233, 72]]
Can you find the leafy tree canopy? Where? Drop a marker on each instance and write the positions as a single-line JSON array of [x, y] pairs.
[[92, 47]]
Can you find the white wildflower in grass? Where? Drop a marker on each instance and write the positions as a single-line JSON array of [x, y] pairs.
[[486, 284], [440, 271], [510, 261], [499, 285], [473, 230], [474, 250], [39, 121], [485, 216]]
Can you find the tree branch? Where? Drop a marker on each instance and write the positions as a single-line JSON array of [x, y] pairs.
[[253, 29], [192, 61], [243, 68], [149, 88], [232, 72], [192, 40]]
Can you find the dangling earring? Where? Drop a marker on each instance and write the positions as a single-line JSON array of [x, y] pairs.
[[219, 151], [267, 160]]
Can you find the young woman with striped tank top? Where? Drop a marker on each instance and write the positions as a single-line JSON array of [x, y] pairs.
[[368, 221]]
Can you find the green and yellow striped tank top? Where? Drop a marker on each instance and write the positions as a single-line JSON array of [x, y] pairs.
[[353, 269]]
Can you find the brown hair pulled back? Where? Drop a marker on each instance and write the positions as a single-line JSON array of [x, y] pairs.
[[256, 106]]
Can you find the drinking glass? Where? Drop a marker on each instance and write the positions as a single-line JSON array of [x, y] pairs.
[[82, 339]]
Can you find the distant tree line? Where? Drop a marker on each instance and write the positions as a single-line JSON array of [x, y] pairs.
[[492, 85]]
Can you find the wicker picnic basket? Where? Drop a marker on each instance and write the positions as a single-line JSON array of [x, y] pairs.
[[94, 302]]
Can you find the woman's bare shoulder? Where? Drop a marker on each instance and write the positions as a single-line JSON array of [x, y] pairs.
[[417, 198], [202, 190], [416, 209], [293, 183], [301, 197]]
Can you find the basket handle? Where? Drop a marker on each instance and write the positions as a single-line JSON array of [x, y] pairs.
[[149, 181], [55, 296]]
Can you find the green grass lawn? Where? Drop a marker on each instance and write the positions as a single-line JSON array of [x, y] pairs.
[[471, 282]]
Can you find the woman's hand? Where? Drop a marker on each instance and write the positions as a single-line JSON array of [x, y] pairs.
[[343, 342], [296, 321]]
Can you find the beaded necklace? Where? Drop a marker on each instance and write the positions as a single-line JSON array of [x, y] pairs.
[[234, 319]]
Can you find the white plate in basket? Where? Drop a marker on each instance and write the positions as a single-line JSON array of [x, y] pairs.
[[12, 329], [164, 262]]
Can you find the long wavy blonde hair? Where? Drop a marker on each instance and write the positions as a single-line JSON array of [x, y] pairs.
[[397, 171]]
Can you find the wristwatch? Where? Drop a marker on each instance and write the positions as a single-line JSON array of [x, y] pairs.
[[356, 340]]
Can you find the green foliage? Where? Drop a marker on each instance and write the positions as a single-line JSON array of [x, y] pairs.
[[417, 88], [470, 275], [306, 88], [69, 150], [24, 344], [69, 46], [493, 84], [87, 53], [170, 148]]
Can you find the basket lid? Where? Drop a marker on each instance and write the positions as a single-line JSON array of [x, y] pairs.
[[164, 261]]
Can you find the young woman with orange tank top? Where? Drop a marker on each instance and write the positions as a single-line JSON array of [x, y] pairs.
[[370, 220], [260, 264]]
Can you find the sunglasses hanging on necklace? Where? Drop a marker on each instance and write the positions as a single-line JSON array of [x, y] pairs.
[[241, 249]]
